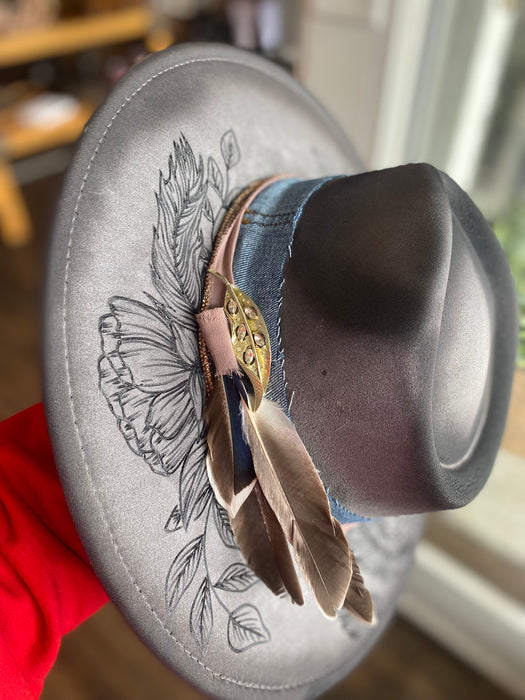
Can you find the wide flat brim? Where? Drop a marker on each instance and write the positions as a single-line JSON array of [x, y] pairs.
[[228, 635]]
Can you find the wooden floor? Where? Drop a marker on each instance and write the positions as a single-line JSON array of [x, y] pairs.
[[102, 659]]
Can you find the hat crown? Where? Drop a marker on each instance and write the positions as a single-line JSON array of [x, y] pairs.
[[388, 333], [395, 271]]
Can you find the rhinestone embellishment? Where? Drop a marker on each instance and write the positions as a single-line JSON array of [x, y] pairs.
[[232, 307], [249, 338]]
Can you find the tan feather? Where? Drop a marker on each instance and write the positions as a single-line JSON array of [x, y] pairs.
[[292, 487], [220, 460], [281, 549], [264, 546], [358, 600]]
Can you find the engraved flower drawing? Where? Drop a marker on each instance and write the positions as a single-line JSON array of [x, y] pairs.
[[150, 375]]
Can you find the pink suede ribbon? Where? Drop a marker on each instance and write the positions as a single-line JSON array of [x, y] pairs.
[[213, 322]]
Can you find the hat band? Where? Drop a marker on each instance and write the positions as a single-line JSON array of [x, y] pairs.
[[262, 245]]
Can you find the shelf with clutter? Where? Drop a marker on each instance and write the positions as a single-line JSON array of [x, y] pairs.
[[41, 123], [59, 58], [75, 34], [56, 65]]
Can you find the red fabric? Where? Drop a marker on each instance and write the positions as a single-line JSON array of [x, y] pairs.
[[47, 586]]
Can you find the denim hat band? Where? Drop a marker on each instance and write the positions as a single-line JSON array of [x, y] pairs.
[[263, 247]]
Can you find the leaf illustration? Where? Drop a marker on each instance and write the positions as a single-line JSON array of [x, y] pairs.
[[182, 572], [193, 481], [176, 269], [249, 336], [230, 149], [174, 522], [201, 617], [207, 210], [202, 501], [215, 178], [207, 234], [236, 578], [246, 628], [222, 523]]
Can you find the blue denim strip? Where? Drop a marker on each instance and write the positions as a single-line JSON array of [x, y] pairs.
[[343, 515], [263, 247]]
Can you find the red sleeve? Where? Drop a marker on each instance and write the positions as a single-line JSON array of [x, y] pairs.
[[47, 586]]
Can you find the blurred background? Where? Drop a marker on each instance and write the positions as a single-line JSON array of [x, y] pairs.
[[441, 81]]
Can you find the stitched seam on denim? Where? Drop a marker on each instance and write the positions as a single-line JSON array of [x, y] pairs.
[[114, 542], [269, 224], [271, 216]]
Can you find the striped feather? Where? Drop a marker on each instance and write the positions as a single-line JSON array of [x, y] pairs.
[[358, 600], [296, 495], [264, 546]]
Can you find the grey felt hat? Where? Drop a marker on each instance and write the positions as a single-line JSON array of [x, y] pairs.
[[397, 328]]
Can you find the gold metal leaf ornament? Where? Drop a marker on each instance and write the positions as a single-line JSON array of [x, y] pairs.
[[249, 336]]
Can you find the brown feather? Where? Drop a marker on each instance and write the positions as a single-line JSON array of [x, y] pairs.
[[219, 463], [220, 460], [281, 550], [358, 600], [264, 546], [292, 487]]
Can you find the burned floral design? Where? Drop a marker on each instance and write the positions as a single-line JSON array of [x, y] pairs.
[[150, 375]]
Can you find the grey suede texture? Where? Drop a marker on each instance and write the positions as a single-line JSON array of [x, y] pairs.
[[411, 333], [102, 247]]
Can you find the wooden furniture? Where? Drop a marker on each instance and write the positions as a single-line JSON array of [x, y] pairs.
[[74, 35], [17, 141]]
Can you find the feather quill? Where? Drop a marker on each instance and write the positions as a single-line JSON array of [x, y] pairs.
[[264, 546], [358, 600], [229, 462], [295, 493]]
